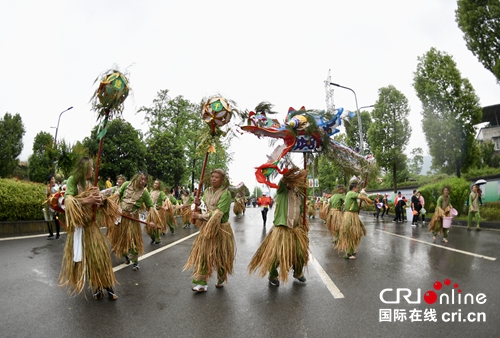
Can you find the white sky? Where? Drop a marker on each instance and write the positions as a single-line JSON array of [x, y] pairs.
[[278, 51]]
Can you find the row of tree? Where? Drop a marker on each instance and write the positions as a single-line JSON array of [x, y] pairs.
[[169, 151]]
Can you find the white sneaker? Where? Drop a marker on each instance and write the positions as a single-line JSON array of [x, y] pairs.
[[199, 288], [445, 240]]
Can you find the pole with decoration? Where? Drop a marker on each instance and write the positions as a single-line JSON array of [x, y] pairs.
[[216, 113], [107, 102]]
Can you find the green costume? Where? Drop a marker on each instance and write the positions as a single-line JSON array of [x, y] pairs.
[[352, 229], [473, 210], [443, 209], [158, 197], [214, 248], [127, 236], [86, 254], [335, 217], [286, 246]]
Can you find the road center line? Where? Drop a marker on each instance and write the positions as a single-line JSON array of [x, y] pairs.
[[154, 252], [330, 285], [440, 246]]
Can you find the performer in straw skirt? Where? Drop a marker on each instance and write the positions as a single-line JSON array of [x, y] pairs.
[[324, 208], [86, 254], [239, 205], [158, 197], [335, 217], [311, 209], [170, 204], [127, 236], [214, 248], [443, 209], [186, 211], [286, 245], [352, 228]]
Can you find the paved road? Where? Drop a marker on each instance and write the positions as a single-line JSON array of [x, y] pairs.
[[341, 298]]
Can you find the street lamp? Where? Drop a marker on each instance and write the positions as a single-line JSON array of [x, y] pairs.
[[57, 128], [361, 148]]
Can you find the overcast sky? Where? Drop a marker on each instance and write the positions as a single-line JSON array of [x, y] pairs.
[[278, 51]]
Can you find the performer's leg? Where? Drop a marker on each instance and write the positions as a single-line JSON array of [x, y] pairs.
[[273, 273], [134, 257], [200, 281], [221, 276]]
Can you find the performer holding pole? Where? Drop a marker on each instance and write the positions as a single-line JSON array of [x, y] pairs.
[[86, 254], [214, 248]]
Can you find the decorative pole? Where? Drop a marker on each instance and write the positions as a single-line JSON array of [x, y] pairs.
[[107, 102], [216, 113]]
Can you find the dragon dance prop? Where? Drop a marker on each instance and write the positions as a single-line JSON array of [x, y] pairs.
[[216, 112], [305, 131]]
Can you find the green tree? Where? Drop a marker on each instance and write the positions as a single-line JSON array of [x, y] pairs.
[[479, 20], [450, 110], [41, 161], [390, 131], [165, 159], [123, 151], [352, 131], [416, 161], [68, 156], [169, 119], [11, 143], [488, 157]]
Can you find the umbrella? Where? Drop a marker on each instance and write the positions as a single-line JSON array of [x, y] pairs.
[[480, 182]]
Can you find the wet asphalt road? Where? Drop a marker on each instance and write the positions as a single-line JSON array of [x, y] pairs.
[[157, 301]]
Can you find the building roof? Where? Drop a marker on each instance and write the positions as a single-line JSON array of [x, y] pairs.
[[491, 114]]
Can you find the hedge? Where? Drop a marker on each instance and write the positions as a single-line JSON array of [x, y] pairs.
[[20, 200]]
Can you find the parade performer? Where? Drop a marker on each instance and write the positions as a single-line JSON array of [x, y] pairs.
[[86, 254], [214, 249], [324, 208], [50, 214], [286, 245], [239, 205], [443, 209], [474, 208], [264, 203], [158, 197], [352, 229], [127, 236], [311, 209], [186, 211], [171, 204], [335, 217]]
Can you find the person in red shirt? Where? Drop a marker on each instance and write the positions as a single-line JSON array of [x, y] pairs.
[[265, 202]]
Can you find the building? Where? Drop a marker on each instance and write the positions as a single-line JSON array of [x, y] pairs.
[[490, 130]]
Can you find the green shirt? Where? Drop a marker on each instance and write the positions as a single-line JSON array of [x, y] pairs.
[[145, 198], [161, 198], [281, 211], [71, 187], [351, 203], [224, 203], [336, 201]]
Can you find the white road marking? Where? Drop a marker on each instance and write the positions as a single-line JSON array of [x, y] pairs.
[[330, 285], [440, 246], [154, 252]]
